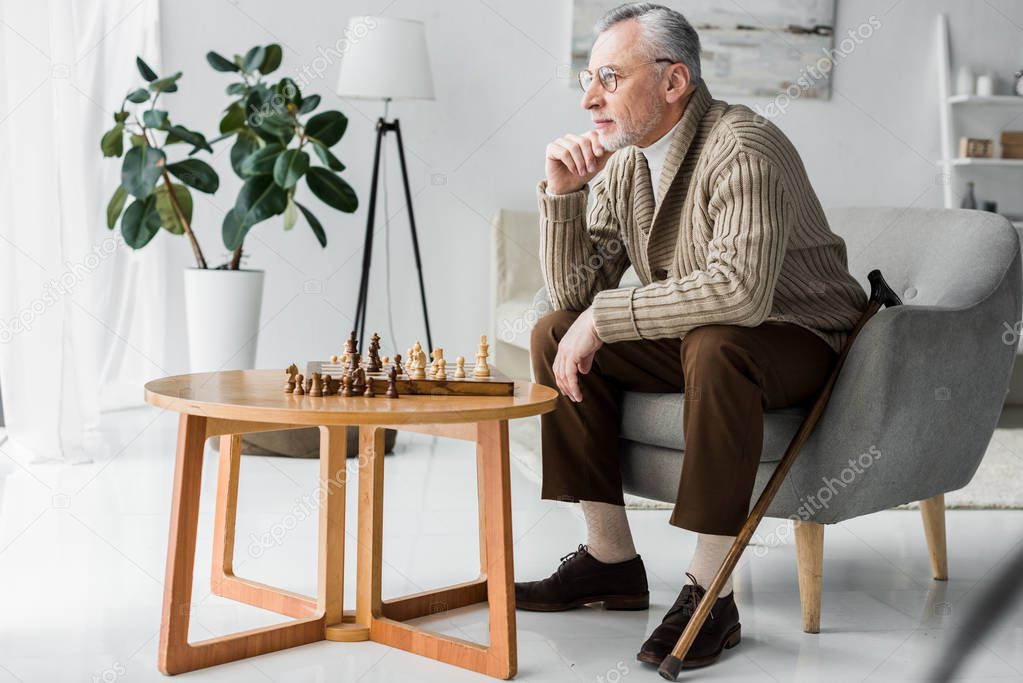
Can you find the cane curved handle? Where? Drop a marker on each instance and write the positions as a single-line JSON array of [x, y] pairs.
[[880, 292]]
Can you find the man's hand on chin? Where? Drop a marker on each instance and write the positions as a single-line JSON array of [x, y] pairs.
[[575, 354]]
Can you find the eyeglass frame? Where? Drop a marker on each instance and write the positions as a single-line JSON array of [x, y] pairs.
[[614, 73]]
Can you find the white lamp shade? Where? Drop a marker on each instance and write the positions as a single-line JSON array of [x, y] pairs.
[[386, 59]]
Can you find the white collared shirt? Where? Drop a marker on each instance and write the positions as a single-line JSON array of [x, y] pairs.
[[655, 154]]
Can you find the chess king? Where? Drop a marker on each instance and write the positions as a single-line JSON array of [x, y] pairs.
[[744, 303]]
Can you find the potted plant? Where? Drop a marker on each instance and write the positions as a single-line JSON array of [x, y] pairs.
[[272, 138]]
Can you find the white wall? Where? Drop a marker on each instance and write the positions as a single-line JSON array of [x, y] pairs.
[[503, 90]]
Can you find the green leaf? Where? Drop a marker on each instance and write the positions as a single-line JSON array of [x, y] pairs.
[[245, 144], [197, 140], [196, 173], [120, 116], [272, 59], [168, 84], [141, 169], [112, 142], [144, 69], [289, 167], [331, 190], [141, 222], [138, 140], [288, 89], [168, 216], [220, 63], [314, 223], [156, 118], [261, 162], [236, 88], [234, 118], [308, 104], [116, 206], [253, 58], [327, 127], [138, 96], [259, 199], [328, 159], [233, 230], [290, 214]]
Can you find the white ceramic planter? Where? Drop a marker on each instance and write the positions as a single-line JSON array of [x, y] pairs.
[[222, 312]]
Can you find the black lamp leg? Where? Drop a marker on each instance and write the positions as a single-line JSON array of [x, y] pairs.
[[415, 238], [367, 246]]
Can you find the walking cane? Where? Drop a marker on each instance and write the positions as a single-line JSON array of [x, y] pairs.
[[880, 295]]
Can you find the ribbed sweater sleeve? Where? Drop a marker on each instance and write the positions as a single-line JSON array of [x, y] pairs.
[[580, 254], [751, 217]]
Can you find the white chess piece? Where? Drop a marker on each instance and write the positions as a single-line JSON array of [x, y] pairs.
[[482, 369]]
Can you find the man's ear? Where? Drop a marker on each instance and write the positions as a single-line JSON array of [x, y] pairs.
[[679, 82]]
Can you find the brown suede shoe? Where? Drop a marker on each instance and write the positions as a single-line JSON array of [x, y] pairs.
[[721, 630], [581, 579]]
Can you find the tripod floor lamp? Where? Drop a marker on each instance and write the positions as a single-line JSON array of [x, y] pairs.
[[386, 59]]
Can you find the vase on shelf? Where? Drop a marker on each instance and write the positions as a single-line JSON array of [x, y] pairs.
[[970, 200], [964, 81]]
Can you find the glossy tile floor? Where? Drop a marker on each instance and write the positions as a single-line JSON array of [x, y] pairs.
[[82, 553]]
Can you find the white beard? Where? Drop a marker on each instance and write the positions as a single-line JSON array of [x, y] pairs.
[[626, 135]]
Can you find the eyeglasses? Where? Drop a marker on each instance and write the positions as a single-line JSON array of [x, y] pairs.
[[608, 76]]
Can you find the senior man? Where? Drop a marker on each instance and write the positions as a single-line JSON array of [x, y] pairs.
[[746, 300]]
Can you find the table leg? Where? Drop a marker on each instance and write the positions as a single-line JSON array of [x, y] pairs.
[[385, 618], [176, 654], [223, 581]]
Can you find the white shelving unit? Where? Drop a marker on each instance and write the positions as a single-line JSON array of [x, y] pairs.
[[976, 116]]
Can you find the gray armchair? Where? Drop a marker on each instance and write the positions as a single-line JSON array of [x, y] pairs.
[[917, 400]]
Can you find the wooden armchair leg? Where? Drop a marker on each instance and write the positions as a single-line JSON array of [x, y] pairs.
[[932, 510], [809, 565]]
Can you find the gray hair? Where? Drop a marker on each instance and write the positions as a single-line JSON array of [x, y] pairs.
[[667, 32]]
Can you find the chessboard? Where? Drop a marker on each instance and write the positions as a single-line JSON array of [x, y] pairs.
[[379, 376]]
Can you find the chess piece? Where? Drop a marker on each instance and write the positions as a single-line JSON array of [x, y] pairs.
[[417, 370], [386, 360], [397, 363], [317, 389], [346, 385], [291, 371], [299, 385], [460, 367], [327, 385], [308, 384], [369, 393], [481, 369], [442, 369], [358, 381], [392, 383], [374, 354], [333, 359]]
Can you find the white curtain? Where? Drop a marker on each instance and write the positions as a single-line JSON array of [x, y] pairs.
[[81, 315]]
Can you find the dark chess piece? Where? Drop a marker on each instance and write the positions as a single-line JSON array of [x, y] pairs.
[[291, 371], [317, 388], [374, 364], [358, 381], [308, 384], [325, 385], [346, 385], [392, 383], [397, 363], [300, 385], [369, 393]]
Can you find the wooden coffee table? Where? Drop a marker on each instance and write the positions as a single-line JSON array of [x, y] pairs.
[[229, 404]]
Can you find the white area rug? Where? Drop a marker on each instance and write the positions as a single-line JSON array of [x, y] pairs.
[[998, 483]]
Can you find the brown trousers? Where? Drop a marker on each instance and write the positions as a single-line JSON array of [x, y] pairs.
[[730, 374]]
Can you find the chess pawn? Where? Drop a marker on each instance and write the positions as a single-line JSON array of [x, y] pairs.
[[482, 369], [460, 368], [386, 360], [392, 383], [333, 359], [317, 389], [344, 358], [300, 385], [442, 369], [397, 363], [368, 393], [346, 384], [326, 384]]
